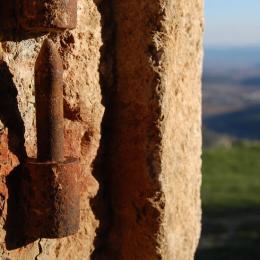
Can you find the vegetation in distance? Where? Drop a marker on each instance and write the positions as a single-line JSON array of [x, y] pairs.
[[231, 202], [231, 177]]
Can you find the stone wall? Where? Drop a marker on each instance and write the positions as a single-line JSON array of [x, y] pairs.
[[132, 114]]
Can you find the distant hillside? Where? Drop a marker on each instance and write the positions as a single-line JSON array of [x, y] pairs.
[[243, 124], [231, 95], [237, 57]]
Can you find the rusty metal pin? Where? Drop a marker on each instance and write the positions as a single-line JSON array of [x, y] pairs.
[[49, 103], [51, 192], [47, 15]]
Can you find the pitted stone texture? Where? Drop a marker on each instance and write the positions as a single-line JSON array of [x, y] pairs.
[[80, 54], [153, 160], [181, 144], [156, 130]]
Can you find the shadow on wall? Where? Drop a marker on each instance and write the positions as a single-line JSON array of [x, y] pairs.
[[101, 203], [9, 28], [7, 18], [12, 120]]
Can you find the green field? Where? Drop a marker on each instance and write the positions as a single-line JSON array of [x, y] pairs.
[[231, 203], [231, 177]]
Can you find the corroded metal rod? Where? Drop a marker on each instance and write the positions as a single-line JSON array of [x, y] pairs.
[[49, 103], [51, 193]]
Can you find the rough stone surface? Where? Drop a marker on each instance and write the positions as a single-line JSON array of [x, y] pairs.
[[181, 136], [145, 154], [155, 131], [80, 53]]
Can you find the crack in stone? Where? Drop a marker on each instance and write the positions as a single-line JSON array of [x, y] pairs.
[[40, 249]]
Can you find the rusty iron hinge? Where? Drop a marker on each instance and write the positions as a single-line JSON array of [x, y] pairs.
[[52, 187]]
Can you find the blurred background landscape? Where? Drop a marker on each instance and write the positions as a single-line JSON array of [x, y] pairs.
[[231, 95], [231, 132]]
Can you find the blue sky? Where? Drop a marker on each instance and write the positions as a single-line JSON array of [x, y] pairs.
[[232, 22]]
